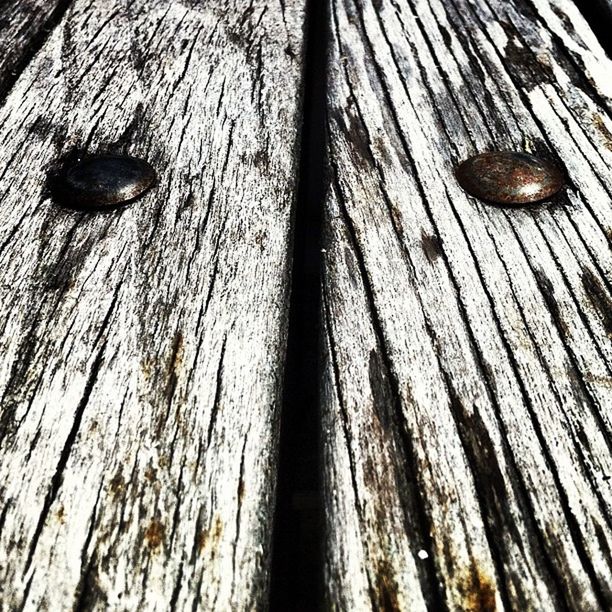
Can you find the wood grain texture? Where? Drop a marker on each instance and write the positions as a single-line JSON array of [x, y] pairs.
[[143, 348], [24, 25], [467, 349]]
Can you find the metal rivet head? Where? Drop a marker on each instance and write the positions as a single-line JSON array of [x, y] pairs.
[[510, 178], [102, 181]]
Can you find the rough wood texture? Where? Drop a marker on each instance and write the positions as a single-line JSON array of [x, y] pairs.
[[142, 349], [24, 25], [467, 348]]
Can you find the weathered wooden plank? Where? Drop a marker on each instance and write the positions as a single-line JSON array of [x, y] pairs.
[[143, 349], [24, 25], [467, 349]]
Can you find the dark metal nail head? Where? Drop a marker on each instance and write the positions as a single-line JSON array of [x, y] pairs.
[[104, 181], [508, 177]]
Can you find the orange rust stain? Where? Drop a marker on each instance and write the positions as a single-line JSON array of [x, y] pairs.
[[117, 485], [154, 534], [61, 514], [147, 366], [151, 474], [604, 381], [178, 351], [602, 128], [478, 591], [211, 538], [385, 594], [396, 213]]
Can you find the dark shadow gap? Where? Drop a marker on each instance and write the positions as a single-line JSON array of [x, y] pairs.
[[297, 550], [598, 14]]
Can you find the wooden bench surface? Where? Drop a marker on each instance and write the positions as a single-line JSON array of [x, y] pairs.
[[467, 387], [465, 349], [143, 350]]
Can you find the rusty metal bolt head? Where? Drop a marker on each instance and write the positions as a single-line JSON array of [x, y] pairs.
[[103, 181], [508, 177]]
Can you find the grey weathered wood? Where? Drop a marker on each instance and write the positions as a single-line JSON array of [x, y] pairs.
[[142, 350], [24, 25], [467, 348]]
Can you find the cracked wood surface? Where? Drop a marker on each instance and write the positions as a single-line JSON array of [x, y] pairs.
[[467, 350], [24, 24], [142, 349]]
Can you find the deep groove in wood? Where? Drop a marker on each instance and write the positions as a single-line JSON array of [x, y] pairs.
[[297, 570]]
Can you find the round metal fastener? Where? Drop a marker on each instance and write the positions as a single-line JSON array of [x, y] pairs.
[[509, 177], [103, 181]]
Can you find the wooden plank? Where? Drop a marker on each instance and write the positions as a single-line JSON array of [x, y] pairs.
[[24, 25], [467, 350], [143, 349]]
